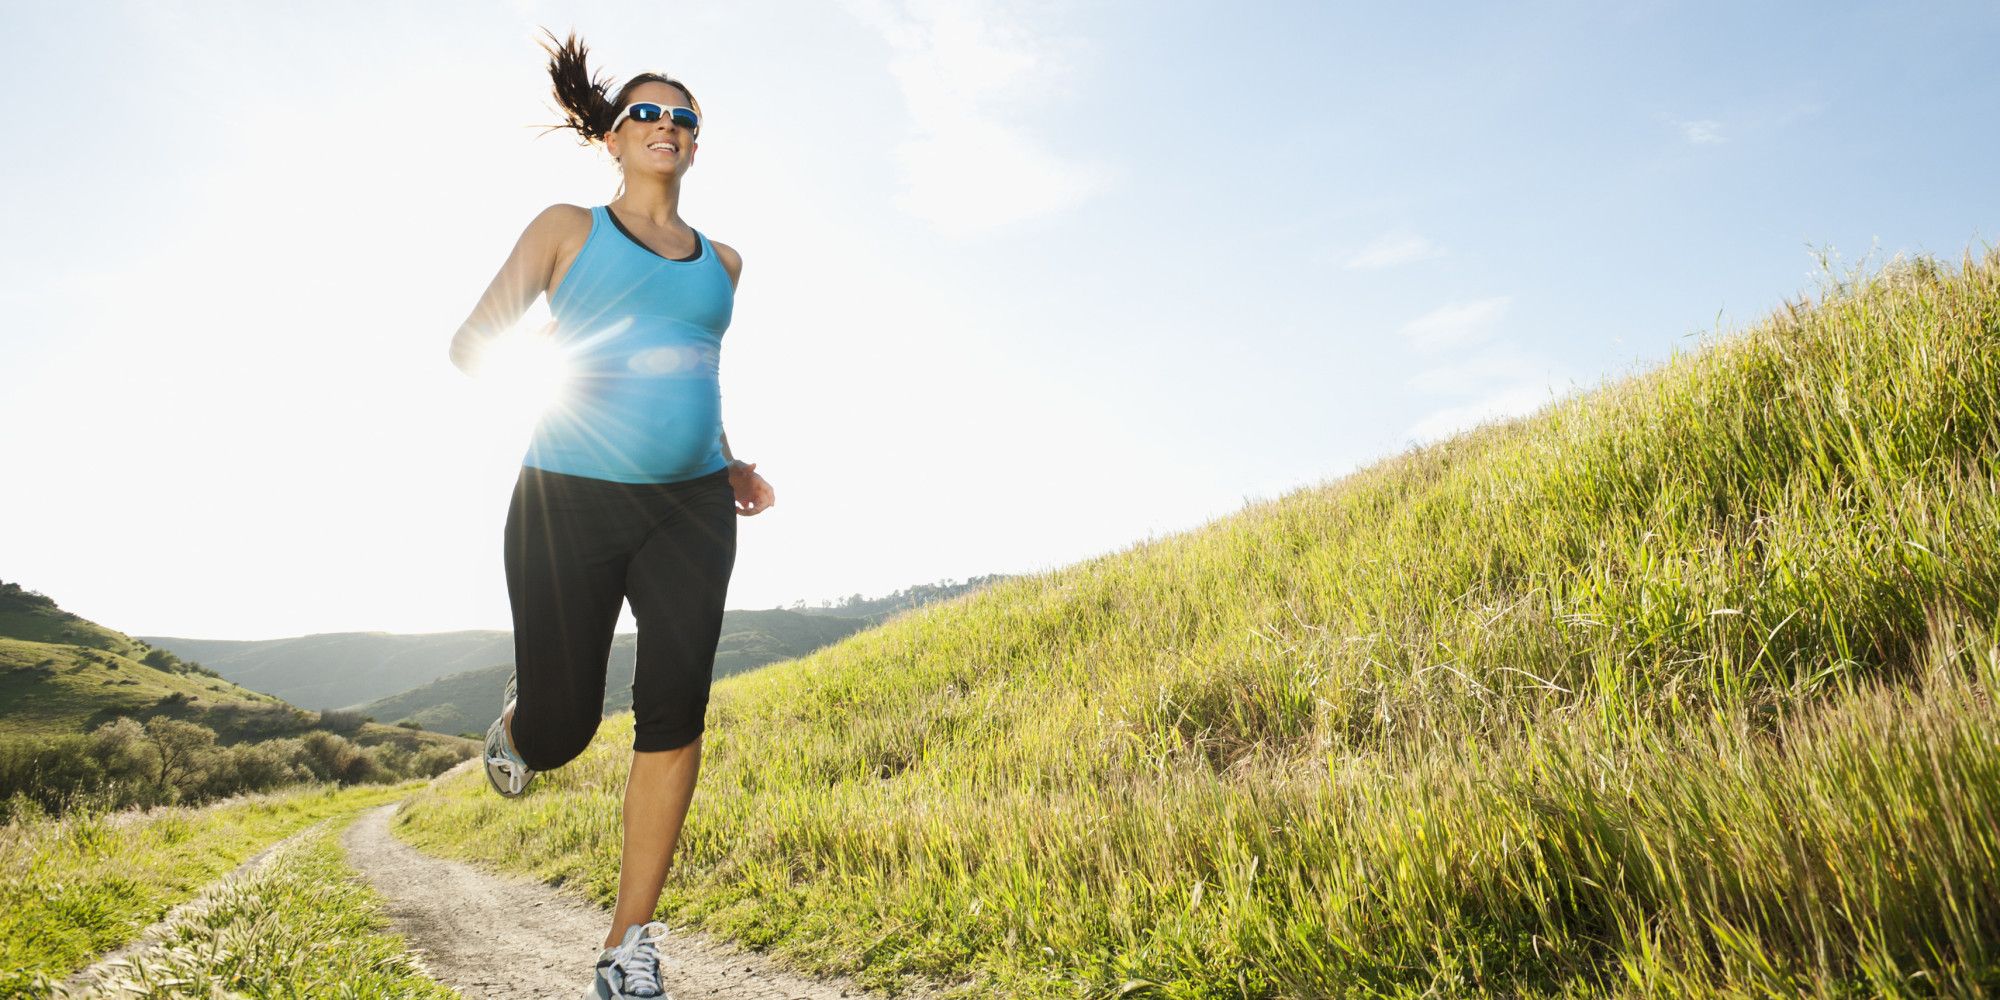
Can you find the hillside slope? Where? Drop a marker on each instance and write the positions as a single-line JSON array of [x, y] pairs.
[[1680, 687], [61, 673]]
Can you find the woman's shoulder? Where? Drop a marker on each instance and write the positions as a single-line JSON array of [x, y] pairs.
[[732, 261], [563, 218]]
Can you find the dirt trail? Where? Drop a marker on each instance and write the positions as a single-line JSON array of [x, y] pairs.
[[503, 937]]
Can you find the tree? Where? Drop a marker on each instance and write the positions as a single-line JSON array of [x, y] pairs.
[[180, 749]]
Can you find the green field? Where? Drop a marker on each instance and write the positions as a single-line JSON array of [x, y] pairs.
[[1680, 687], [74, 887], [303, 925]]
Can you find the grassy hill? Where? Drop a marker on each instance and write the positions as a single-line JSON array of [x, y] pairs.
[[1680, 687], [60, 674]]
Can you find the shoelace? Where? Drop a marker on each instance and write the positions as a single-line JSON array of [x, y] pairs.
[[509, 768], [640, 967]]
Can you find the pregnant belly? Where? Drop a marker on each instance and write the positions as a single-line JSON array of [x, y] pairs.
[[634, 428]]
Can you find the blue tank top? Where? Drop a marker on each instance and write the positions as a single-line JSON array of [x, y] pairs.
[[643, 334]]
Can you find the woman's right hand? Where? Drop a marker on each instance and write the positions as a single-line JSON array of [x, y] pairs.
[[753, 494]]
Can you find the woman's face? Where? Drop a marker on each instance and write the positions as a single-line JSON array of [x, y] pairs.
[[658, 146]]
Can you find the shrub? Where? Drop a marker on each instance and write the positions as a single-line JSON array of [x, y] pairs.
[[335, 758], [435, 761], [342, 720], [49, 771], [255, 767]]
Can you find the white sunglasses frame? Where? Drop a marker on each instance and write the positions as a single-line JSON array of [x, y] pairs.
[[667, 112]]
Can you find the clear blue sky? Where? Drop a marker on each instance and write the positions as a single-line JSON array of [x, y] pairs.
[[1024, 282]]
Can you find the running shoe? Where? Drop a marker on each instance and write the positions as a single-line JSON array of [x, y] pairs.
[[633, 968], [505, 770]]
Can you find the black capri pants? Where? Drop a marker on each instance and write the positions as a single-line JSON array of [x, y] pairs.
[[577, 548]]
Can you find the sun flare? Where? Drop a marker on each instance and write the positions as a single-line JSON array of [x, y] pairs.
[[525, 372]]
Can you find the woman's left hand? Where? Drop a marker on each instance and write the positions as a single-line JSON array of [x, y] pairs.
[[753, 494]]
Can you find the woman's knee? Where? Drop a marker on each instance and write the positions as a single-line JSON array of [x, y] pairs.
[[547, 747]]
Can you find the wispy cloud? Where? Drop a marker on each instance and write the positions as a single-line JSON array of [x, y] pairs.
[[1500, 364], [1393, 249], [1703, 132], [1455, 325], [964, 67], [1510, 401], [1490, 378]]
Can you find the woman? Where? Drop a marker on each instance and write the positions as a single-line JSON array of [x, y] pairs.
[[628, 489]]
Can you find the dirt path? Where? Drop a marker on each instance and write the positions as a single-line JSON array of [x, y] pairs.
[[503, 937]]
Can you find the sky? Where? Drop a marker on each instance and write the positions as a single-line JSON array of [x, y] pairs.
[[1024, 282]]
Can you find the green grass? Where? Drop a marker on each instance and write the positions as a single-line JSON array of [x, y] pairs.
[[48, 688], [1680, 687], [304, 925], [76, 887]]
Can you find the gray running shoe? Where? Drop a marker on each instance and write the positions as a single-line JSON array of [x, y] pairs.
[[633, 968], [505, 770]]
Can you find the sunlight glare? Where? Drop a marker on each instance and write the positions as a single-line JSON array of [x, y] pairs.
[[525, 372]]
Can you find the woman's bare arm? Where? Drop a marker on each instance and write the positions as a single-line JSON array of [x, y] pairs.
[[524, 275]]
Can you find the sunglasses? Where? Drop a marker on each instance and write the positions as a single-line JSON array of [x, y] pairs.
[[647, 111]]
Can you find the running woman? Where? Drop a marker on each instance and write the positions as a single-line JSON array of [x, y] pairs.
[[628, 489]]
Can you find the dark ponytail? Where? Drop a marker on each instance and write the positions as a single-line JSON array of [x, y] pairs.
[[581, 100], [586, 104]]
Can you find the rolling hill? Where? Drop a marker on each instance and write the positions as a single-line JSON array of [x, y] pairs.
[[448, 681], [61, 673], [466, 701]]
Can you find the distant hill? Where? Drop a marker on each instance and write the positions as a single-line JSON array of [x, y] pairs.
[[466, 701], [450, 681], [349, 669], [339, 669], [915, 596], [61, 673]]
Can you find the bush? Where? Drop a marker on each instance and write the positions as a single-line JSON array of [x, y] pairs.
[[342, 720], [48, 772], [336, 758], [123, 763], [436, 760], [14, 594], [255, 767]]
